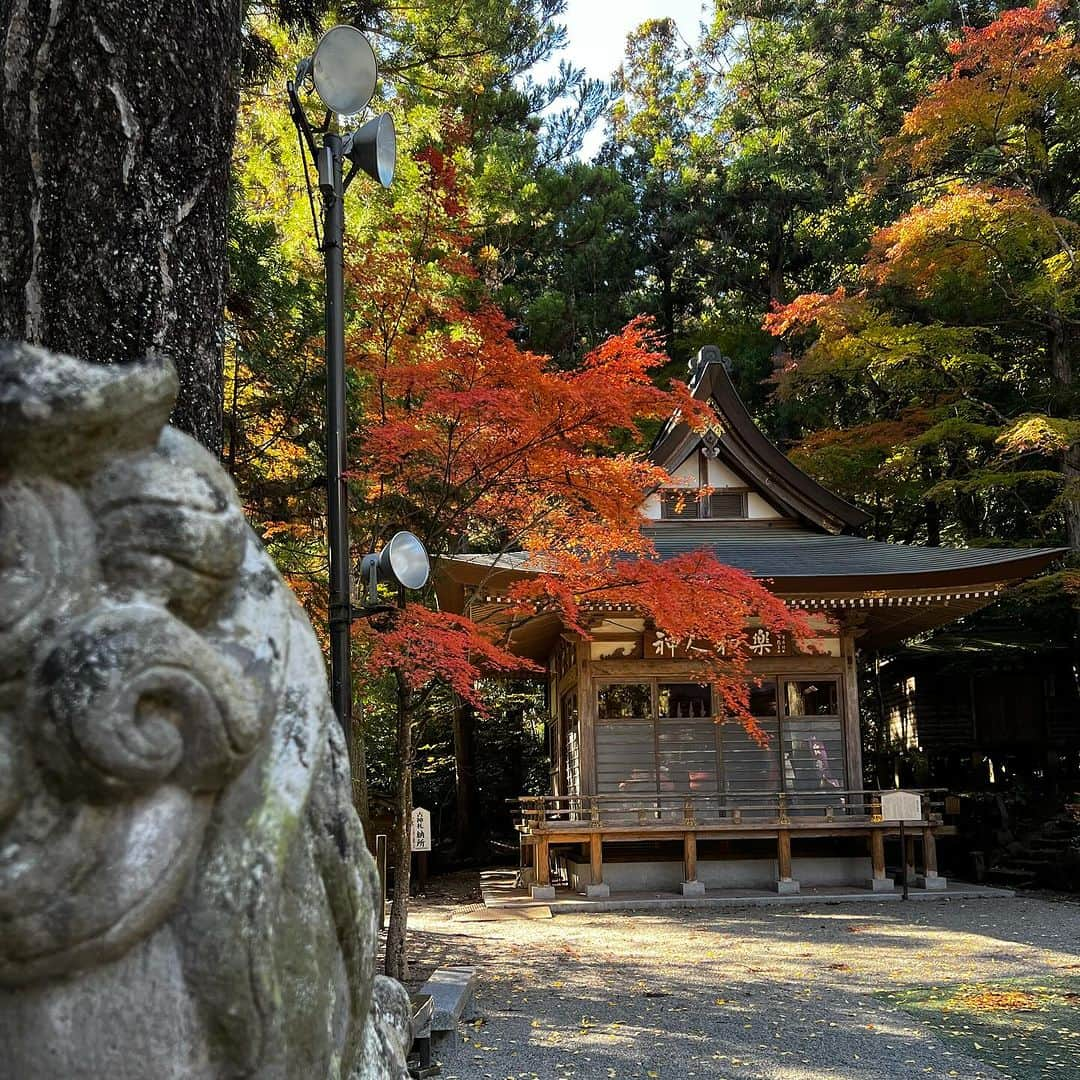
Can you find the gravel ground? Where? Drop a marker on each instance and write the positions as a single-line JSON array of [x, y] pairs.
[[776, 993]]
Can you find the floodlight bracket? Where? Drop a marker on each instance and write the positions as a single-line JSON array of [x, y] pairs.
[[299, 118], [376, 567], [367, 612], [346, 150], [369, 579], [325, 163]]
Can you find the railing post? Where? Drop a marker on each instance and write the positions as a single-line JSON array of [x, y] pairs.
[[782, 809], [929, 878], [908, 852], [594, 810], [691, 886], [688, 813], [875, 807], [786, 885], [543, 861], [878, 881], [597, 888]]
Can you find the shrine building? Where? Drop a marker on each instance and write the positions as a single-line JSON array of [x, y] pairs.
[[650, 788]]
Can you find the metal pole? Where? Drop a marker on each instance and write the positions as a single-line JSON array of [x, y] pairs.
[[330, 184], [903, 859], [380, 863]]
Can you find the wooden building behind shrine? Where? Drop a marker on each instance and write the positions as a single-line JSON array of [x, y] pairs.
[[650, 788]]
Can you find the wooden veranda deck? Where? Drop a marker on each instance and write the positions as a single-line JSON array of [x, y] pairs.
[[547, 821]]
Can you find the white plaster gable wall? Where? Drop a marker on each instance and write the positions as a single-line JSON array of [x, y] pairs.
[[720, 476], [758, 508], [686, 475]]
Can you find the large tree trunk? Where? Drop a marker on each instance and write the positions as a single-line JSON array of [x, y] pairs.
[[933, 509], [116, 130], [397, 962], [1071, 468], [358, 765], [465, 780], [1062, 369]]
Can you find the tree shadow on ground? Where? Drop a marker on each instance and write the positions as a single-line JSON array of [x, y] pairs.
[[789, 993]]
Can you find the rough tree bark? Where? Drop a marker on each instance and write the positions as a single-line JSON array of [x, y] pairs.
[[116, 129], [1061, 363], [358, 764], [465, 777], [397, 962]]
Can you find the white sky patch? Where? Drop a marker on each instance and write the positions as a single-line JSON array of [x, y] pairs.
[[596, 32]]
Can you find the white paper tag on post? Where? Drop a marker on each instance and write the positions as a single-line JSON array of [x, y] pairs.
[[420, 829]]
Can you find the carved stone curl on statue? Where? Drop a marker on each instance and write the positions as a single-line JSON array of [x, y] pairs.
[[184, 886]]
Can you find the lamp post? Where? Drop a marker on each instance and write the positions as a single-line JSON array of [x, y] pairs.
[[343, 72]]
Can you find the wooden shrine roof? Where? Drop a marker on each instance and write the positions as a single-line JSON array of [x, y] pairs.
[[885, 592], [794, 557], [744, 448]]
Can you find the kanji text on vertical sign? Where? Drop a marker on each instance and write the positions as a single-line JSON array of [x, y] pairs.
[[420, 829]]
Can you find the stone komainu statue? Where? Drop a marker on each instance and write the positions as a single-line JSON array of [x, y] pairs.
[[184, 886]]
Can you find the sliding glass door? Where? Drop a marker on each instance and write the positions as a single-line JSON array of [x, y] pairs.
[[660, 738]]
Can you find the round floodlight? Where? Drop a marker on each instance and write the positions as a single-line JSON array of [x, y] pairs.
[[405, 560], [344, 70], [374, 149]]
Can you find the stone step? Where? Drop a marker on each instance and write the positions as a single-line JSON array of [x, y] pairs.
[[1029, 863], [451, 990], [1003, 875], [1063, 834]]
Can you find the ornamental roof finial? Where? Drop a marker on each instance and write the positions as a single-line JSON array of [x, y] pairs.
[[706, 355]]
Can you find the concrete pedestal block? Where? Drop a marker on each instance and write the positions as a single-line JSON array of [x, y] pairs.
[[787, 887], [931, 882], [543, 892], [693, 888], [598, 891], [880, 884]]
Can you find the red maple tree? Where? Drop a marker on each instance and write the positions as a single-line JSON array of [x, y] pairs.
[[477, 444]]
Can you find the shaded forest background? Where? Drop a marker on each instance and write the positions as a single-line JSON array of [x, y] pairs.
[[873, 208]]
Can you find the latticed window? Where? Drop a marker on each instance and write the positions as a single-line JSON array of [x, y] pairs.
[[662, 738], [684, 503], [572, 759], [675, 505], [727, 504]]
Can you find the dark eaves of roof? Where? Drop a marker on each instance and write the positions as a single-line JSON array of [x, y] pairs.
[[787, 553], [751, 454], [800, 558]]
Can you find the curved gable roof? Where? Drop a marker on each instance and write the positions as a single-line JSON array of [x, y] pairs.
[[754, 457]]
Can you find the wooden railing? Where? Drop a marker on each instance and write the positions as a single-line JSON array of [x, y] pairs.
[[732, 809]]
